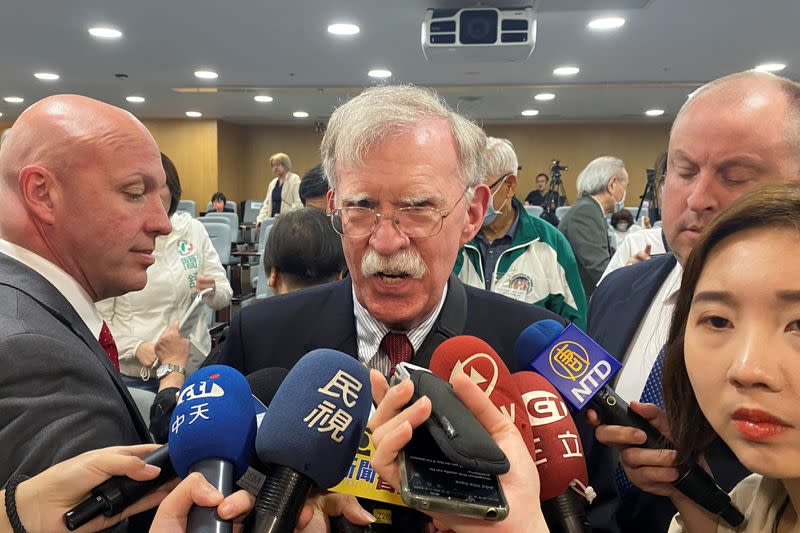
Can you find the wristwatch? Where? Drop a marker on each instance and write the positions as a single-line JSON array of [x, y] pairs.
[[167, 368]]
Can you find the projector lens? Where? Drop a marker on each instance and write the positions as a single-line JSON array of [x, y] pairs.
[[478, 26]]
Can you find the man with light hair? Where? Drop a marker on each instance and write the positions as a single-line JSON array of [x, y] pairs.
[[601, 189], [715, 156], [407, 191], [518, 254]]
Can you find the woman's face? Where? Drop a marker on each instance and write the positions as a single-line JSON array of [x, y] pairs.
[[277, 168], [742, 348]]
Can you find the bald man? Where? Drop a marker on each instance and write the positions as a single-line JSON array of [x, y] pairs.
[[82, 179]]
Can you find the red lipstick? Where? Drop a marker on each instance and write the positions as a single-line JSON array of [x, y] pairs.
[[755, 424]]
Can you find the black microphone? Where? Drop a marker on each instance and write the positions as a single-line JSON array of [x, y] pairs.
[[579, 369], [115, 494]]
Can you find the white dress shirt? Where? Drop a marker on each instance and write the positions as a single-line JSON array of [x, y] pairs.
[[76, 295], [649, 339], [370, 333]]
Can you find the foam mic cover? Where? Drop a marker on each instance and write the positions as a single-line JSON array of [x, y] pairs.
[[265, 383], [534, 339], [475, 358], [310, 434], [214, 418]]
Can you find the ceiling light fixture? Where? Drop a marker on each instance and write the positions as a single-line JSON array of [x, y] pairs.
[[530, 113], [544, 97], [135, 99], [566, 71], [343, 28], [14, 99], [379, 73], [654, 112], [606, 23], [263, 98], [105, 32], [194, 114], [300, 114], [770, 67], [206, 74], [46, 76]]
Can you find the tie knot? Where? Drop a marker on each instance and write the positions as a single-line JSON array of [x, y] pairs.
[[397, 348]]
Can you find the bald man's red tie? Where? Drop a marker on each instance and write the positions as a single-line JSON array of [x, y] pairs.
[[397, 348], [108, 344]]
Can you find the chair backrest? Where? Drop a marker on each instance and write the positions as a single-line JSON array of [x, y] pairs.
[[263, 290], [534, 210], [262, 233], [230, 204], [188, 206], [251, 210], [561, 211], [220, 235], [232, 219]]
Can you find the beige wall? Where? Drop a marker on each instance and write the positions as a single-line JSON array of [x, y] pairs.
[[192, 146], [231, 141], [575, 145]]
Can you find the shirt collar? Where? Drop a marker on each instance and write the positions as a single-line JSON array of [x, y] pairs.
[[76, 295], [673, 281]]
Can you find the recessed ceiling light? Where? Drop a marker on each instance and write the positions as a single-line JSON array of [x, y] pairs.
[[1, 114], [46, 76], [14, 99], [135, 99], [606, 23], [530, 112], [343, 29], [206, 74], [770, 67], [544, 97], [654, 112], [263, 98], [300, 114], [105, 32], [566, 71], [194, 114], [379, 73]]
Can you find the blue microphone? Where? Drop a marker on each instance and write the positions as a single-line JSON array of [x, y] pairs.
[[212, 431], [580, 370], [310, 434]]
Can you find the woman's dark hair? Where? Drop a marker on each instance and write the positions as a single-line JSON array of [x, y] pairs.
[[768, 208], [620, 216], [218, 196], [304, 248], [173, 183]]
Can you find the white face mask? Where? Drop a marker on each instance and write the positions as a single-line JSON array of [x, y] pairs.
[[619, 205], [622, 226]]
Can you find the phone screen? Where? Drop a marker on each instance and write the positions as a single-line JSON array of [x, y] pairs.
[[430, 474]]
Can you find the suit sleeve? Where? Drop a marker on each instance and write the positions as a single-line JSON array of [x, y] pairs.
[[266, 207], [590, 244], [232, 347]]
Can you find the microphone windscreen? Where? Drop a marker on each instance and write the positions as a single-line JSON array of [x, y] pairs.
[[265, 383], [214, 419], [534, 339], [559, 454], [316, 419], [475, 358]]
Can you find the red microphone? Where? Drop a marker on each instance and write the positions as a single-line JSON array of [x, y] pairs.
[[559, 455], [475, 358]]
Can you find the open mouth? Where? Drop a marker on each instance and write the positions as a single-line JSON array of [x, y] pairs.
[[393, 277]]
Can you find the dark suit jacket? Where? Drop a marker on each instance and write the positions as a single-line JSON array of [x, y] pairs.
[[584, 226], [615, 312], [60, 396]]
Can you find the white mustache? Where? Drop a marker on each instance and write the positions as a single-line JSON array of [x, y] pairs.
[[408, 262]]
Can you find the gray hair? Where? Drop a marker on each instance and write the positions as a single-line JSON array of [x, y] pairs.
[[379, 112], [500, 158], [791, 89], [595, 177]]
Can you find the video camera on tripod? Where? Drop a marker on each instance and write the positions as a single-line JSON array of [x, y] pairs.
[[557, 195]]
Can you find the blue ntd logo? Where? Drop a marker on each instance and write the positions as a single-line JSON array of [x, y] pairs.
[[576, 366]]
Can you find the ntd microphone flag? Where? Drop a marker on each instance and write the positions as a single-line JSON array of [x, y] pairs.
[[576, 365]]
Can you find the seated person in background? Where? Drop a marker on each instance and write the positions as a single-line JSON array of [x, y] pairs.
[[538, 195], [144, 323], [219, 203], [314, 189], [622, 225], [302, 250], [732, 365], [516, 254]]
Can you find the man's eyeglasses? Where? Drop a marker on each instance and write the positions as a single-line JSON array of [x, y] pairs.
[[414, 222]]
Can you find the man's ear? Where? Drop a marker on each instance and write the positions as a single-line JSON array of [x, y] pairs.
[[272, 278], [511, 180], [476, 211], [331, 196], [39, 192]]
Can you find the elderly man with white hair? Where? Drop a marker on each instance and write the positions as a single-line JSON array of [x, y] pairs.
[[518, 254], [601, 187]]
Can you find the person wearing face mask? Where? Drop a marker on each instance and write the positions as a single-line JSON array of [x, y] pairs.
[[516, 254], [601, 186], [622, 225]]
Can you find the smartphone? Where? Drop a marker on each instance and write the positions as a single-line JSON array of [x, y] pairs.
[[429, 481]]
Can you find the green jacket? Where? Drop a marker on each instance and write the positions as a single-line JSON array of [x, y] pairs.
[[539, 268]]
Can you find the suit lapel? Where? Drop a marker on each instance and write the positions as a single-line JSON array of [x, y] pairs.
[[339, 332]]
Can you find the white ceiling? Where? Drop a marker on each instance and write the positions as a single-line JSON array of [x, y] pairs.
[[665, 50]]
